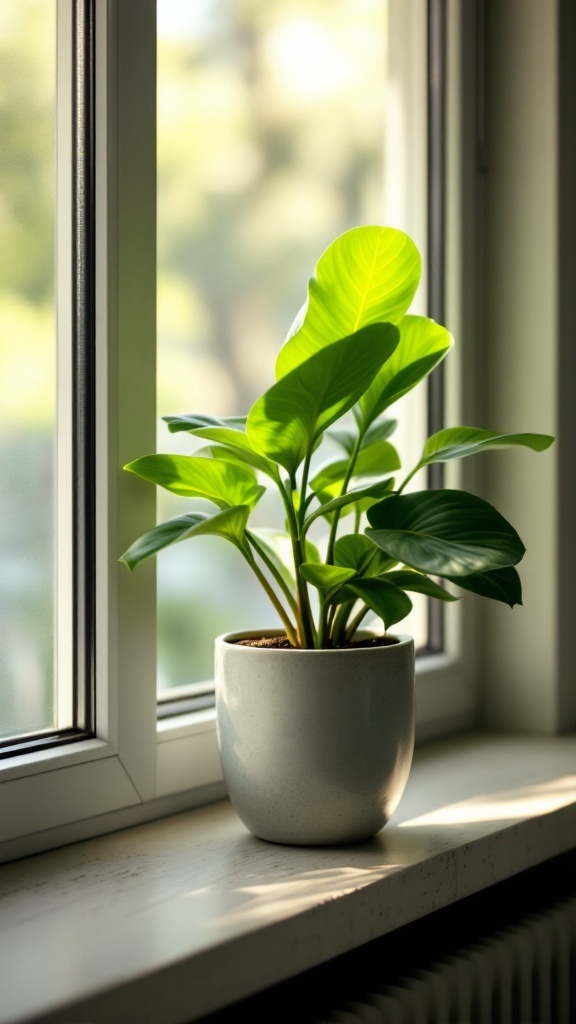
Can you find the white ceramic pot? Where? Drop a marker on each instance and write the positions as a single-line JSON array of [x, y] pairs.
[[316, 746]]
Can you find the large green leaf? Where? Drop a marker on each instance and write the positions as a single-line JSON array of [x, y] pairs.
[[195, 477], [416, 582], [356, 551], [379, 459], [286, 421], [458, 442], [498, 584], [388, 601], [237, 440], [230, 524], [373, 491], [368, 275], [444, 532], [326, 577], [191, 421], [423, 343]]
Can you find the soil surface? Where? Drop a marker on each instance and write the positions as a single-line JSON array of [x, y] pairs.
[[283, 643]]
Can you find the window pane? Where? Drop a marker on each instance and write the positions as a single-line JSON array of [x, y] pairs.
[[270, 143], [27, 365]]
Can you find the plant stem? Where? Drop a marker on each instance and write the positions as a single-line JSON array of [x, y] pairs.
[[304, 613], [339, 621], [273, 571], [356, 622], [336, 514], [408, 478], [288, 626]]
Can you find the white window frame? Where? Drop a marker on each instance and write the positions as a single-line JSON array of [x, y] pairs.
[[138, 768]]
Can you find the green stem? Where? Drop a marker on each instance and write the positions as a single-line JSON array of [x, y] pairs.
[[288, 626], [273, 571], [321, 635], [408, 478], [356, 622], [304, 615], [340, 620], [336, 515]]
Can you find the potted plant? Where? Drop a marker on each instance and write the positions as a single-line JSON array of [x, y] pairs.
[[316, 721]]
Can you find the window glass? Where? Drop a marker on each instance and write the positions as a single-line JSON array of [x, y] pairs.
[[271, 127], [27, 365]]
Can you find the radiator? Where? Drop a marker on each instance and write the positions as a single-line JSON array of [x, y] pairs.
[[522, 974]]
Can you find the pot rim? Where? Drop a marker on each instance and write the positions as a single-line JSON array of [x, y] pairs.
[[228, 639]]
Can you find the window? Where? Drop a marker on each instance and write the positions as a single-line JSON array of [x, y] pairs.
[[134, 767]]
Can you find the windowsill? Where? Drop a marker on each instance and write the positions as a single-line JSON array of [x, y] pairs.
[[171, 920]]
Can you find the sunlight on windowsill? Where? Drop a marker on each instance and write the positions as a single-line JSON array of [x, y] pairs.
[[510, 805]]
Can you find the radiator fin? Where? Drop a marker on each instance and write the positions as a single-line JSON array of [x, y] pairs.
[[521, 974]]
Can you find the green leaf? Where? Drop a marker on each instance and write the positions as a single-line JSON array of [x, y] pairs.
[[230, 524], [498, 584], [380, 459], [325, 577], [375, 491], [444, 533], [356, 551], [459, 442], [406, 579], [388, 601], [192, 421], [195, 477], [238, 441], [380, 430], [423, 343], [285, 422], [368, 275]]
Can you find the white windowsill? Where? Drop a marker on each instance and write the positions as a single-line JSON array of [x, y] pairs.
[[173, 919]]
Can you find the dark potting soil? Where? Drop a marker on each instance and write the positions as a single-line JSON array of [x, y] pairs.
[[283, 643]]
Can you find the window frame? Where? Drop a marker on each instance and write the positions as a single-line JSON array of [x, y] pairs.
[[138, 767]]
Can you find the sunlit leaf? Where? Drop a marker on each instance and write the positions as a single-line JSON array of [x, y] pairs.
[[195, 477], [423, 343], [368, 275], [444, 533], [230, 524], [388, 602], [459, 442], [498, 584], [380, 459], [285, 422], [192, 421], [237, 440], [374, 491]]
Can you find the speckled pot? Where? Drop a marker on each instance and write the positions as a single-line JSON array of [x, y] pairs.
[[316, 746]]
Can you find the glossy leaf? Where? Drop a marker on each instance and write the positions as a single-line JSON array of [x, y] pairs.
[[498, 584], [195, 477], [230, 524], [237, 440], [356, 551], [285, 422], [368, 275], [444, 533], [389, 602], [326, 577], [416, 582], [192, 421], [459, 442], [423, 343], [374, 491], [379, 459]]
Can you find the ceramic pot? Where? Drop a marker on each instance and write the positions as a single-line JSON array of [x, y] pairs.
[[315, 745]]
